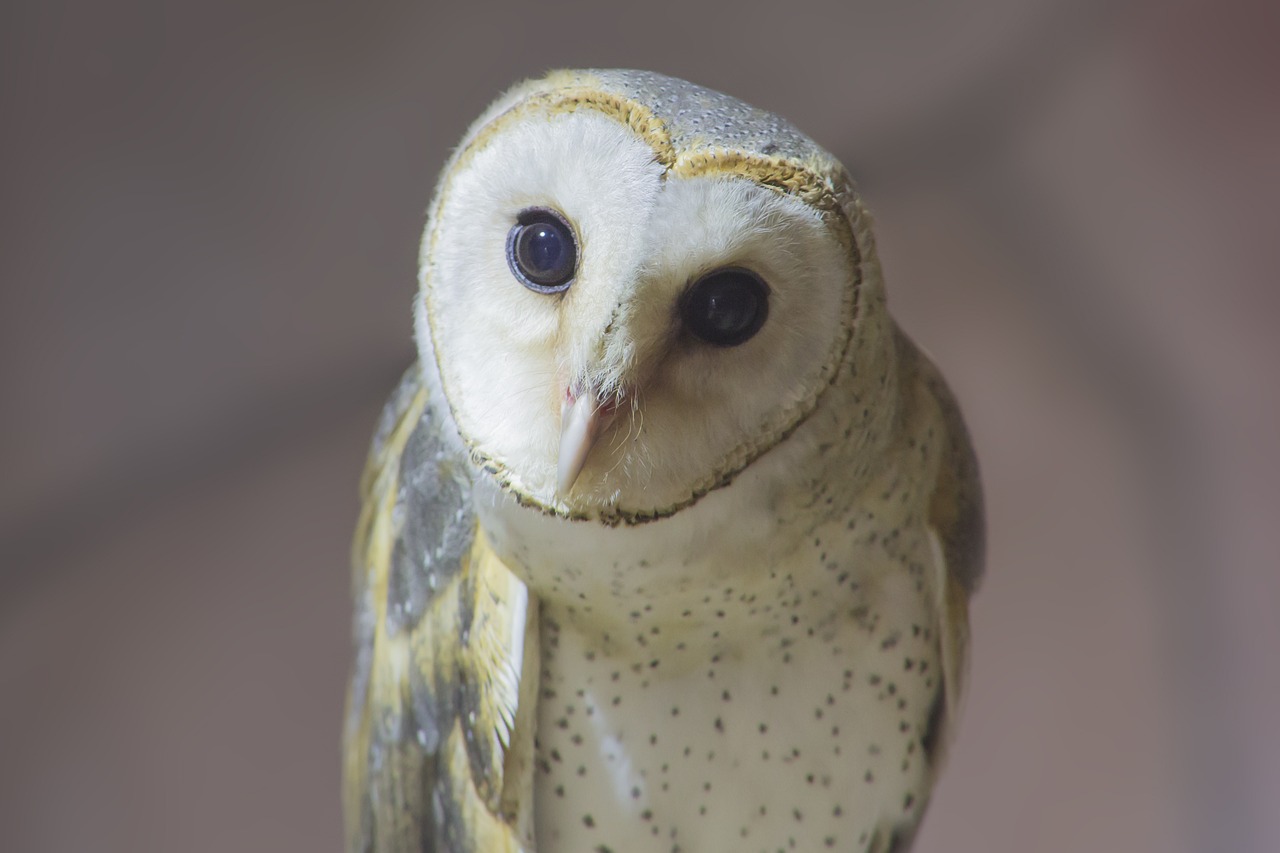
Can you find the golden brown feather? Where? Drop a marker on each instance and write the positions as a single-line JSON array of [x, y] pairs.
[[438, 745]]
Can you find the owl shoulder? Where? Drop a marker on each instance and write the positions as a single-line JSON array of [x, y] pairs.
[[955, 509], [437, 738]]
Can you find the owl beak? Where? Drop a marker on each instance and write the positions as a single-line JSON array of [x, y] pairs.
[[582, 419]]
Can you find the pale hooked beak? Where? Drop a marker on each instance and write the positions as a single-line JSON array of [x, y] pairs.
[[582, 419]]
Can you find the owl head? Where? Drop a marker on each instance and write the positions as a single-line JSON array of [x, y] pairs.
[[633, 287]]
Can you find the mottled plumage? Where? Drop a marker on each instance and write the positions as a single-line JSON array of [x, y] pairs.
[[624, 585]]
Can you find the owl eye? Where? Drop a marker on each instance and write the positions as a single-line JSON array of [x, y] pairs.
[[542, 251], [726, 307]]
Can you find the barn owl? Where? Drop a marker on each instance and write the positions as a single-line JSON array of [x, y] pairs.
[[668, 536]]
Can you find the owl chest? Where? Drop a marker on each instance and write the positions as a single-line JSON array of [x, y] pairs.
[[800, 741]]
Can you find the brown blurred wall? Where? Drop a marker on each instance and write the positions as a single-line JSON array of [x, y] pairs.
[[210, 214]]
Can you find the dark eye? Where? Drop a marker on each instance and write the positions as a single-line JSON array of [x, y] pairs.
[[726, 307], [542, 251]]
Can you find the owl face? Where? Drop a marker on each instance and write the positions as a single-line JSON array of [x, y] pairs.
[[617, 333]]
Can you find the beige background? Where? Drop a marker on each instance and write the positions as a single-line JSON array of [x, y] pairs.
[[210, 213]]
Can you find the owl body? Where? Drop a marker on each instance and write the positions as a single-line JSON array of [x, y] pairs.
[[670, 551], [791, 708]]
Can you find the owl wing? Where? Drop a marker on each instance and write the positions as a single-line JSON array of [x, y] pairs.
[[438, 736], [956, 530], [957, 533]]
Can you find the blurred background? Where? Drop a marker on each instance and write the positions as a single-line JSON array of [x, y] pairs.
[[210, 214]]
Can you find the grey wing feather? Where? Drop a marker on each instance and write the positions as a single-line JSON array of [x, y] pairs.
[[436, 740]]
